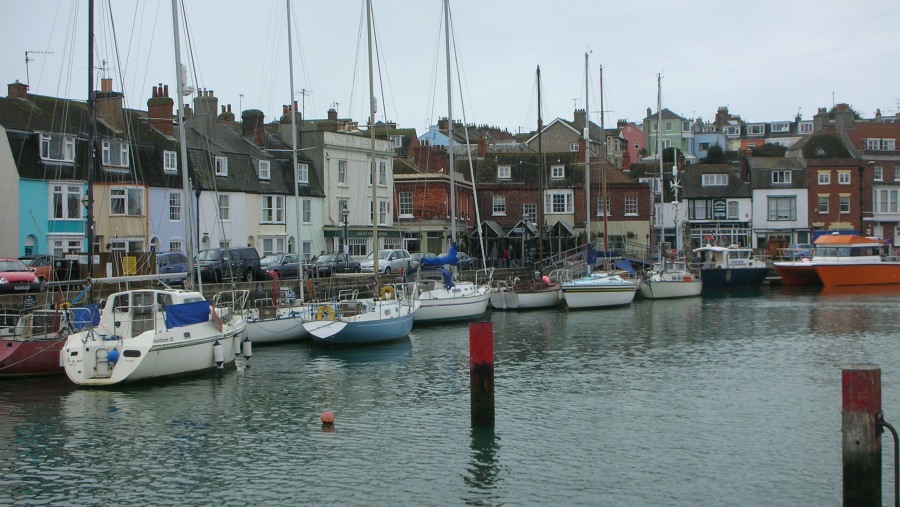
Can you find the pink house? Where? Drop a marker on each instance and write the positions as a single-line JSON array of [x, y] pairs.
[[634, 138]]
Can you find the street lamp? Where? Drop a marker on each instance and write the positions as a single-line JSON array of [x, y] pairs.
[[345, 213]]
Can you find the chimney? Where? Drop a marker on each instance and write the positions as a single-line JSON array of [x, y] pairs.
[[206, 106], [17, 90], [253, 126], [332, 114], [159, 110], [820, 120], [843, 117], [226, 116], [580, 119], [110, 105], [878, 118], [745, 164], [444, 124]]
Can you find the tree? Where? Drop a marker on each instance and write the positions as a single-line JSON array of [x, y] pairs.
[[769, 150], [715, 155]]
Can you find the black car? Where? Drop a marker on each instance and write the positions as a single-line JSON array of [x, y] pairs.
[[235, 263], [330, 263], [285, 266]]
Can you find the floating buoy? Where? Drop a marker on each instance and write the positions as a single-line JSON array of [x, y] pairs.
[[113, 356], [327, 418], [219, 354], [246, 348]]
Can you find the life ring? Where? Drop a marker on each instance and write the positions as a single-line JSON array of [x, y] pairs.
[[325, 313], [387, 292]]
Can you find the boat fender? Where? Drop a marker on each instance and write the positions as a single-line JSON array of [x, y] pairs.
[[219, 354], [387, 292], [325, 313], [246, 348], [113, 356]]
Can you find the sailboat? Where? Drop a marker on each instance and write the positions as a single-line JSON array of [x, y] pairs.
[[542, 291], [449, 299], [145, 334], [388, 315], [669, 277], [597, 288]]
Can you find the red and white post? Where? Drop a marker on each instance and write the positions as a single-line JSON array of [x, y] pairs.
[[481, 372], [861, 431]]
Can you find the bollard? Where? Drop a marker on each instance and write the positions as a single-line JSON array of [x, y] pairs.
[[860, 412], [481, 372]]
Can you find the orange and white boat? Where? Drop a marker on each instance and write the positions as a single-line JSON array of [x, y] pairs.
[[843, 260]]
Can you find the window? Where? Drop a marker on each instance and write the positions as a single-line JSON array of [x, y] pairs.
[[686, 126], [600, 207], [115, 153], [756, 130], [66, 202], [272, 209], [175, 206], [264, 169], [823, 204], [654, 127], [666, 143], [844, 203], [406, 204], [302, 173], [698, 209], [127, 245], [668, 126], [888, 144], [843, 177], [557, 172], [342, 172], [306, 250], [886, 201], [224, 204], [780, 127], [782, 208], [530, 209], [704, 146], [382, 174], [873, 144], [732, 130], [397, 141], [271, 246], [170, 162], [382, 212], [897, 173], [57, 147], [781, 176], [574, 146], [732, 210], [126, 201], [715, 180], [559, 201], [498, 205], [60, 246], [880, 144], [877, 173], [824, 178], [306, 211], [805, 127], [343, 203], [631, 205], [221, 166], [503, 172]]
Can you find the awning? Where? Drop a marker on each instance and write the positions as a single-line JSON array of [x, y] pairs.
[[561, 229], [519, 227], [490, 229]]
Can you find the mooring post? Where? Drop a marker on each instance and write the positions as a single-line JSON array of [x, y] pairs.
[[481, 372], [861, 408]]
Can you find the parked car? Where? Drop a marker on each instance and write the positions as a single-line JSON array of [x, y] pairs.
[[389, 261], [171, 262], [330, 263], [16, 277], [464, 261], [43, 264], [415, 259], [282, 265], [235, 263]]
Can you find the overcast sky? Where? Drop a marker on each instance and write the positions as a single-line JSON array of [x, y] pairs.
[[765, 60]]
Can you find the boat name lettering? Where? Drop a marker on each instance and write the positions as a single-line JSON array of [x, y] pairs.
[[164, 339]]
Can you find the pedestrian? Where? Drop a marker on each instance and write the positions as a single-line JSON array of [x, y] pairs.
[[506, 257]]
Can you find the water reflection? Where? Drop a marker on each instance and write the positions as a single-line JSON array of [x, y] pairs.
[[483, 469], [399, 350]]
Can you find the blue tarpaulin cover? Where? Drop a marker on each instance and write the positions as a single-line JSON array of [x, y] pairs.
[[83, 316], [185, 314], [451, 259]]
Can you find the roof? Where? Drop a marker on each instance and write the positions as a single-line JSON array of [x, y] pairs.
[[846, 239]]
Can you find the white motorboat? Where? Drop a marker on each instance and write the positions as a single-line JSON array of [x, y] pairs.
[[148, 334], [670, 279]]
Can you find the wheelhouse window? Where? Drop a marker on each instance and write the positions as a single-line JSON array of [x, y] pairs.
[[127, 201], [57, 147], [782, 208], [115, 153], [272, 209], [66, 201]]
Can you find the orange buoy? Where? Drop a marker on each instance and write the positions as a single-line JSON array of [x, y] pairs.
[[327, 417]]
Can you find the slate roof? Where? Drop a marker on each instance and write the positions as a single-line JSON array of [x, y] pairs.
[[692, 179]]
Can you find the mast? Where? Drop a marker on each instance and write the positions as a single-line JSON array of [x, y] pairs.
[[603, 170], [540, 206], [662, 237], [294, 146], [451, 161], [587, 153], [372, 137], [182, 139], [89, 229]]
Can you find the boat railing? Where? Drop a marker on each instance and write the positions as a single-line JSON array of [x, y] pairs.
[[484, 276], [236, 300]]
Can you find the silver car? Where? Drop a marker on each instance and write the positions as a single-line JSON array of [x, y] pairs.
[[389, 261]]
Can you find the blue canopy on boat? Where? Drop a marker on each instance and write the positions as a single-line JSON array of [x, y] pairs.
[[185, 314], [625, 266], [451, 258], [82, 316]]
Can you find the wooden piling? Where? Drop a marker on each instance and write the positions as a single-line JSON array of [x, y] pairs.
[[860, 412], [481, 372]]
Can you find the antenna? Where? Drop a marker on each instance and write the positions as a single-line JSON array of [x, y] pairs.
[[303, 93], [27, 74]]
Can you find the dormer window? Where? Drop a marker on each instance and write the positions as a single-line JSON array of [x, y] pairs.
[[557, 172], [221, 166], [264, 169], [781, 176], [715, 180], [573, 146], [170, 162], [115, 153], [756, 130], [504, 172], [57, 147], [780, 127], [733, 130], [303, 173], [805, 127], [397, 141]]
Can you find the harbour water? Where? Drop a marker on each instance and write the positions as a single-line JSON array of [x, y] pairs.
[[728, 399]]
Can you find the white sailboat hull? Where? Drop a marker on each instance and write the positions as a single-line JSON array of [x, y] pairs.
[[510, 299], [598, 290], [668, 289], [370, 321], [283, 325], [463, 301]]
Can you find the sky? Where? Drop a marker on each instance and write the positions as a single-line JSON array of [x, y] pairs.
[[764, 60]]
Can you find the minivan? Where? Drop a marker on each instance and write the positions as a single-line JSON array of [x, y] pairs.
[[171, 262], [233, 263]]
